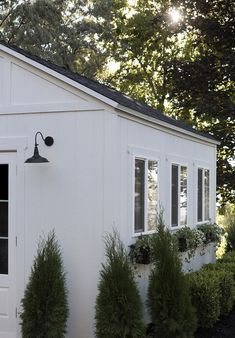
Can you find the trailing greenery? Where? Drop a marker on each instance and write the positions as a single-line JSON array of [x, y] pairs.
[[118, 304], [205, 293], [140, 251], [168, 301], [212, 232], [45, 306], [189, 240]]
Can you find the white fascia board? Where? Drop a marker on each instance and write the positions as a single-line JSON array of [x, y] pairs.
[[134, 115], [59, 76]]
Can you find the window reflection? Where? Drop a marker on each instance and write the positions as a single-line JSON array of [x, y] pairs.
[[206, 194], [183, 196], [152, 194], [139, 195]]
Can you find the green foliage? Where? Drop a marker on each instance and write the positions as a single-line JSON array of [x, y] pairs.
[[44, 306], [225, 274], [213, 289], [62, 31], [226, 283], [189, 240], [140, 251], [219, 265], [193, 237], [229, 226], [228, 257], [203, 79], [230, 236], [212, 232], [168, 293], [205, 293], [186, 69], [118, 304]]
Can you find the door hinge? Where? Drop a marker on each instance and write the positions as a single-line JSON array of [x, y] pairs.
[[16, 241], [16, 312]]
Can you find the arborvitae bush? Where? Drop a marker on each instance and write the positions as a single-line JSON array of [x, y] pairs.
[[44, 306], [169, 300], [118, 304]]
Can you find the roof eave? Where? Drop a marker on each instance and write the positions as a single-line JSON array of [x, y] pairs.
[[110, 102], [166, 125]]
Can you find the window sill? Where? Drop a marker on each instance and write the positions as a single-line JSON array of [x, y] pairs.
[[146, 233]]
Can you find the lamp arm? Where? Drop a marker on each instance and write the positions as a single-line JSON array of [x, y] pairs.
[[38, 132]]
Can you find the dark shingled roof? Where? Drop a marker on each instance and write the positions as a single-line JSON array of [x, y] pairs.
[[109, 92]]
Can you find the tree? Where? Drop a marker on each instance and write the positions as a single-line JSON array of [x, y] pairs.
[[142, 40], [184, 68], [44, 306], [203, 81], [62, 31], [118, 304], [169, 300]]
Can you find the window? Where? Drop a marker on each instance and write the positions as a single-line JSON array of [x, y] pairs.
[[4, 219], [203, 195], [179, 195], [146, 195]]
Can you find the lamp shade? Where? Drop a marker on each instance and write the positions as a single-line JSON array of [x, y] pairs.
[[36, 158]]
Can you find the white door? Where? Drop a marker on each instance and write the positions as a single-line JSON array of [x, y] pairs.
[[7, 245]]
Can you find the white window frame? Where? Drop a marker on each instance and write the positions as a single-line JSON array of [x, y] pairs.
[[146, 159], [179, 165], [203, 168]]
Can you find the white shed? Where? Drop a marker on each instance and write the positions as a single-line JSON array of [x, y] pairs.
[[105, 144]]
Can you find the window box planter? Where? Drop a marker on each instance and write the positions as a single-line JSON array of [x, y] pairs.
[[140, 251], [182, 244], [140, 256]]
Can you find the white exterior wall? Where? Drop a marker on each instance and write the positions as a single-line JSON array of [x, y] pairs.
[[87, 188]]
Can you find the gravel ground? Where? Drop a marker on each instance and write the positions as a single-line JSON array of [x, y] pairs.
[[225, 328]]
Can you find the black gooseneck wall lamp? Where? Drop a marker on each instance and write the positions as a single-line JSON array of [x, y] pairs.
[[36, 158]]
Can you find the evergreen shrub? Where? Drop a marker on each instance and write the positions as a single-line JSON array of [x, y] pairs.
[[229, 257], [226, 284], [205, 293], [219, 265], [118, 304], [230, 236], [225, 272], [169, 301], [44, 305]]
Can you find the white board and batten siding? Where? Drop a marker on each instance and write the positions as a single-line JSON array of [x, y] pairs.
[[87, 187]]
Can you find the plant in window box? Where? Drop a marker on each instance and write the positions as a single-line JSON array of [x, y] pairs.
[[189, 239], [212, 232], [140, 251]]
